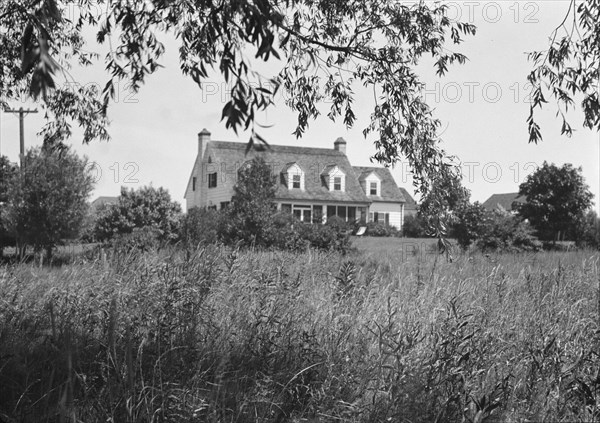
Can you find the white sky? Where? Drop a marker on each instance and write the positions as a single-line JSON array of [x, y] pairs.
[[482, 104]]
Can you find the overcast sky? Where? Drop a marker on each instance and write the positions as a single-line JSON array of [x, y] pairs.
[[483, 105]]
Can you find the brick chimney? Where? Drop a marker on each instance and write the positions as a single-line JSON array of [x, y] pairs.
[[203, 139], [340, 145]]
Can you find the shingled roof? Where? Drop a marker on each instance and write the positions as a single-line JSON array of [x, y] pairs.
[[504, 201], [389, 189], [410, 203], [311, 160]]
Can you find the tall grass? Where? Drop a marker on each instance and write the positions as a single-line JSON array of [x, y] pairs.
[[219, 335]]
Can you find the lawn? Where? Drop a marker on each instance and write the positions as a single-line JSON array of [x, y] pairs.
[[216, 335]]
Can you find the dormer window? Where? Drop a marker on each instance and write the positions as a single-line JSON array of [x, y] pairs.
[[371, 183], [334, 178], [373, 188], [293, 176], [337, 183]]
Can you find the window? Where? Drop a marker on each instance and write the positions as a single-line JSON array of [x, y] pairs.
[[224, 204], [351, 214], [296, 181], [330, 211], [317, 214], [286, 208], [194, 183], [212, 207], [373, 188], [337, 183], [212, 180]]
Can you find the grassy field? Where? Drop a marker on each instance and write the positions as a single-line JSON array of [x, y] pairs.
[[383, 334]]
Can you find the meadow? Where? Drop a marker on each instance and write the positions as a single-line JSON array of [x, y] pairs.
[[391, 332]]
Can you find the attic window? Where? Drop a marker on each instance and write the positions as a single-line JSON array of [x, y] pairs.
[[296, 179], [337, 183], [193, 183], [373, 188], [294, 176], [209, 159]]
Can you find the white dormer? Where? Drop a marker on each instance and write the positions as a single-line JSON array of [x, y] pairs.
[[294, 176], [334, 178], [373, 185]]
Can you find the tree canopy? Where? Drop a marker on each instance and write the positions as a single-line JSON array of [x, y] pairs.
[[556, 199], [250, 215], [144, 208], [48, 198]]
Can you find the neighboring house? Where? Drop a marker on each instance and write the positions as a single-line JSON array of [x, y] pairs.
[[504, 202], [312, 183], [410, 206], [102, 202]]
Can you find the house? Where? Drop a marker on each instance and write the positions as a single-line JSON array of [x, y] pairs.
[[312, 183], [504, 202]]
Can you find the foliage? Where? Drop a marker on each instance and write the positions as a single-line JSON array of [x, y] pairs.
[[414, 227], [438, 206], [247, 336], [556, 198], [201, 227], [568, 69], [587, 230], [381, 229], [47, 199], [470, 223], [136, 209], [8, 171], [291, 234], [506, 232], [145, 238], [250, 214]]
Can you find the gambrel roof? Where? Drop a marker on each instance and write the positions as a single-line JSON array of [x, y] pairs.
[[389, 190], [311, 160]]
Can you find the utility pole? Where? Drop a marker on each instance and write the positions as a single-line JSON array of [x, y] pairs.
[[22, 112]]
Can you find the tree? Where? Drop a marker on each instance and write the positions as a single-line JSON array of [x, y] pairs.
[[7, 172], [146, 208], [47, 198], [569, 68], [470, 223], [322, 48], [556, 198], [252, 207], [445, 197]]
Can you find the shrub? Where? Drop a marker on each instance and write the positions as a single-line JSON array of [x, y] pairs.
[[137, 209], [378, 229], [470, 224], [506, 232], [201, 227]]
